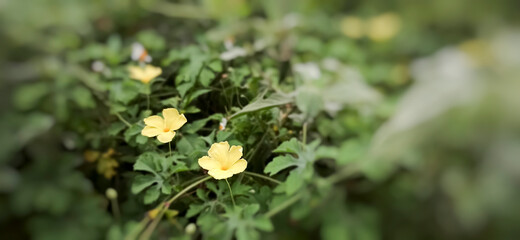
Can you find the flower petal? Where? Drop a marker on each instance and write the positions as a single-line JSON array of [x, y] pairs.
[[219, 152], [154, 121], [173, 120], [238, 167], [235, 153], [209, 163], [136, 72], [150, 131], [220, 174], [166, 137]]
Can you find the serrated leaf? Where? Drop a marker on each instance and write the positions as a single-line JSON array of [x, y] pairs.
[[263, 223], [294, 182], [152, 194], [275, 99], [140, 139], [223, 135], [132, 131], [148, 162], [291, 146], [141, 182], [195, 209], [115, 128], [206, 76], [280, 163], [194, 95]]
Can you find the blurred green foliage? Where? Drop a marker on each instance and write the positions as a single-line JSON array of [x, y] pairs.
[[359, 119]]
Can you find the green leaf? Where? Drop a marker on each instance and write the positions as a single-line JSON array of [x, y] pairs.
[[124, 91], [280, 163], [29, 95], [291, 146], [140, 139], [351, 151], [263, 223], [193, 95], [151, 194], [115, 128], [184, 88], [83, 97], [150, 162], [223, 135], [275, 99], [206, 76], [309, 101], [132, 131], [294, 182], [195, 209], [141, 182]]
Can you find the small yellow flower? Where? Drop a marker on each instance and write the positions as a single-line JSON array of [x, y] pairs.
[[144, 74], [164, 127], [384, 27], [352, 27], [223, 161]]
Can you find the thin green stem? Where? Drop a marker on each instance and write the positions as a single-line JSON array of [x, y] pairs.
[[149, 231], [134, 232], [263, 177], [342, 174], [283, 205], [115, 209], [187, 189], [147, 101], [170, 147], [123, 120], [231, 191], [305, 133]]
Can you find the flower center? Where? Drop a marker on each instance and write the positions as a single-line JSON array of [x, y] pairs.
[[224, 168], [166, 130]]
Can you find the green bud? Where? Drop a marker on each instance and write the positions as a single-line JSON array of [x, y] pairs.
[[111, 193], [190, 228]]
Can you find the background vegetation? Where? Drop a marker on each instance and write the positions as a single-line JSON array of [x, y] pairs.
[[359, 119]]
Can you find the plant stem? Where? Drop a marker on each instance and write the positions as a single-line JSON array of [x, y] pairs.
[[170, 147], [231, 191], [134, 232], [283, 205], [149, 231], [262, 176], [305, 133], [115, 209], [147, 101], [123, 120], [342, 174]]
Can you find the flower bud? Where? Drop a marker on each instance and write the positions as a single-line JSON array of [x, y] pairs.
[[111, 193], [190, 228]]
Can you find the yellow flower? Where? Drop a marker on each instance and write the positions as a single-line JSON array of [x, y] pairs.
[[144, 74], [384, 27], [164, 128], [106, 164], [352, 27], [223, 161]]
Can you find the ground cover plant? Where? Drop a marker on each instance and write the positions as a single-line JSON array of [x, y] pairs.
[[232, 119]]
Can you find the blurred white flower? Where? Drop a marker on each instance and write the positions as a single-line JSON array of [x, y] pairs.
[[97, 66], [233, 53], [223, 123], [308, 71], [140, 54]]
